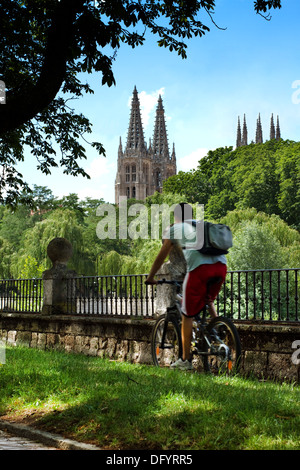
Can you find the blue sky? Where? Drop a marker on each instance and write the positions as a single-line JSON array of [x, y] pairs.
[[250, 68]]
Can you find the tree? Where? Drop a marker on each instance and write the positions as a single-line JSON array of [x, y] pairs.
[[13, 225], [46, 44], [261, 241], [6, 251], [264, 176], [60, 223], [288, 171], [40, 199], [192, 184], [255, 248]]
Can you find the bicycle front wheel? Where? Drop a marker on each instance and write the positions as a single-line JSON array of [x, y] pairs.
[[166, 346], [224, 354]]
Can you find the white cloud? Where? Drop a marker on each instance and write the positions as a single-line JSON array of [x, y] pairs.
[[94, 193], [190, 161], [148, 102], [100, 166]]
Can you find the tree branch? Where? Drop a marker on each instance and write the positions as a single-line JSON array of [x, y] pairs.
[[210, 15], [33, 98]]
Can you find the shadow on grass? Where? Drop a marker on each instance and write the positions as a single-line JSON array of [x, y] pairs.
[[123, 406]]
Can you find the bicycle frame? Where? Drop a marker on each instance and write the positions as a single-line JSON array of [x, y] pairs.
[[213, 344]]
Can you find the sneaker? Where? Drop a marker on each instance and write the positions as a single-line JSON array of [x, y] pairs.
[[182, 365]]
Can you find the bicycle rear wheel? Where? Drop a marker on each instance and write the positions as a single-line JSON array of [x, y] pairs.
[[225, 350], [166, 346]]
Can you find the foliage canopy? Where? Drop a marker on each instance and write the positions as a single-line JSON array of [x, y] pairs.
[[44, 47], [264, 176]]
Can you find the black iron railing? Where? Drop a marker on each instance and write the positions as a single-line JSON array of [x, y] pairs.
[[121, 295], [264, 295], [21, 295]]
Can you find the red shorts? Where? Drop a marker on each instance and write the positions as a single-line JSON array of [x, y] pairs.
[[194, 289]]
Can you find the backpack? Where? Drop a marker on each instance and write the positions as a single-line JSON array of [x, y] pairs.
[[217, 238]]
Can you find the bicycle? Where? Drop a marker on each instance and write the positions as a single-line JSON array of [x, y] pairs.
[[216, 340]]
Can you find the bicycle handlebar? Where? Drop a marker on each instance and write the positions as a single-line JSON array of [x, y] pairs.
[[174, 283], [165, 281]]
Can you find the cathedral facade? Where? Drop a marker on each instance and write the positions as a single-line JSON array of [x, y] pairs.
[[141, 168]]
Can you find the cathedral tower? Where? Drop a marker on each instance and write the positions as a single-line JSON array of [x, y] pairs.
[[242, 139], [245, 132], [259, 133], [242, 136], [238, 134], [141, 169], [272, 128], [278, 134]]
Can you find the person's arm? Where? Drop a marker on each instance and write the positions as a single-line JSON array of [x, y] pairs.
[[163, 253]]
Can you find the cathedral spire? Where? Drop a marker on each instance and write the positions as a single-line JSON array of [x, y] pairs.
[[160, 139], [278, 133], [120, 150], [259, 134], [238, 134], [135, 136], [173, 156], [272, 128], [245, 132]]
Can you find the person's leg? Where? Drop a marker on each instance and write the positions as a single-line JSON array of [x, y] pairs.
[[212, 309], [186, 335], [193, 293], [216, 270]]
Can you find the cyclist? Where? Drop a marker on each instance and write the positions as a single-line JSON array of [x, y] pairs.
[[200, 269]]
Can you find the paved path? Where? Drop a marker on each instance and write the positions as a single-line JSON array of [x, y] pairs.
[[15, 436], [10, 442]]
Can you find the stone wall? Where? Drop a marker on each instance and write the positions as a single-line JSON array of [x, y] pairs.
[[115, 338], [267, 349]]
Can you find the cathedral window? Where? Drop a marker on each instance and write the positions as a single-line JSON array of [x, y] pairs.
[[127, 173], [128, 192], [133, 173], [146, 173], [133, 192], [158, 178]]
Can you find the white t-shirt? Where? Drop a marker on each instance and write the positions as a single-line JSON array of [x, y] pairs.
[[184, 234]]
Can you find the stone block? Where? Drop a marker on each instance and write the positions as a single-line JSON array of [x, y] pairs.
[[34, 340], [111, 347], [69, 343], [280, 366], [122, 350], [255, 363], [52, 340], [41, 341], [11, 337], [23, 338], [94, 346]]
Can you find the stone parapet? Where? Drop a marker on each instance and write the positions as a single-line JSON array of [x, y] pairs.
[[267, 349]]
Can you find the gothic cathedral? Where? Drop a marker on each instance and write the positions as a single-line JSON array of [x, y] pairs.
[[141, 170], [242, 137]]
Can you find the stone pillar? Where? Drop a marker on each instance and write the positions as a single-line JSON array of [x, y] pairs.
[[58, 285], [173, 269]]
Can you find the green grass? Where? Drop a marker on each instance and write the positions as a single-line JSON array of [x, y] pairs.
[[117, 405]]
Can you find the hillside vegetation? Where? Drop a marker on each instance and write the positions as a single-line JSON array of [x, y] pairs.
[[254, 189]]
